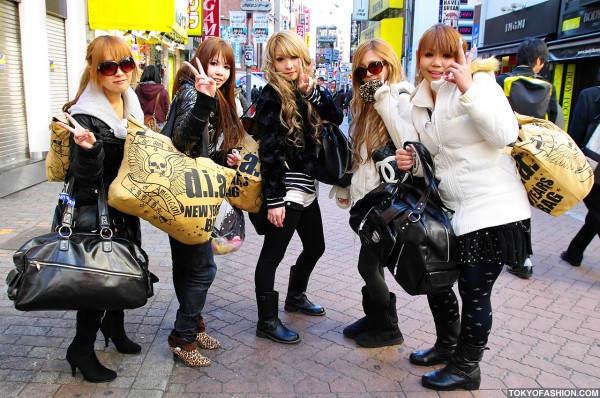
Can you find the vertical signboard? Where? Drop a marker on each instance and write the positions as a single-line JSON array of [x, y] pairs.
[[194, 18], [211, 12], [237, 26], [260, 27]]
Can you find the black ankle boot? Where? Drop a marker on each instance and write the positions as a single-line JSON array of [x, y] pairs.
[[112, 327], [296, 299], [81, 355], [462, 370], [363, 324], [269, 326], [441, 352], [385, 330]]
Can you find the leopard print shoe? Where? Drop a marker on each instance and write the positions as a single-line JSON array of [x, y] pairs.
[[203, 339], [187, 352]]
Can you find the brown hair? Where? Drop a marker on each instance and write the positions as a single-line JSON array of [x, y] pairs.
[[439, 38], [367, 127], [102, 48], [228, 122]]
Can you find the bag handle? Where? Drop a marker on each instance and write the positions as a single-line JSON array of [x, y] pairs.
[[155, 104]]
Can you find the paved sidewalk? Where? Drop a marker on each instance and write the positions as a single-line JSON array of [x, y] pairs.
[[546, 329]]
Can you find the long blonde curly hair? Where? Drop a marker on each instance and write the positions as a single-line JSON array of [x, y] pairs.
[[367, 127], [289, 44]]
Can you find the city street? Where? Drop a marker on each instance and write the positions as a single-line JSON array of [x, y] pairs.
[[546, 329]]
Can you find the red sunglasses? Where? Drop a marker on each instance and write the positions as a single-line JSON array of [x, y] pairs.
[[109, 68], [373, 68]]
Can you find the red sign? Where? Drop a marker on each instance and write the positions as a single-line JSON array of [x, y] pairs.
[[306, 11], [300, 30], [210, 22]]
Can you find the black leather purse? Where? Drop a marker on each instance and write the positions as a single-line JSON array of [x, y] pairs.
[[73, 270], [407, 227], [334, 157]]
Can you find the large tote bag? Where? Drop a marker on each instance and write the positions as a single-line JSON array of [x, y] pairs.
[[71, 270]]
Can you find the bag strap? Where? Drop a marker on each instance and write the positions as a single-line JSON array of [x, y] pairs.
[[155, 104], [167, 129]]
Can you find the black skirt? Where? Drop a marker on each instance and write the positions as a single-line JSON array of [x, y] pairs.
[[508, 244]]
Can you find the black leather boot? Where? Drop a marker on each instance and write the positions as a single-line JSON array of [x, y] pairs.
[[296, 299], [441, 352], [269, 326], [363, 324], [462, 370], [385, 330], [80, 353], [112, 327]]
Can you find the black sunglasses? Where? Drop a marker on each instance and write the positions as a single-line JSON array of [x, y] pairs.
[[373, 68], [109, 68]]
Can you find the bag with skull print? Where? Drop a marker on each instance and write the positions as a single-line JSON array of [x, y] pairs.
[[177, 194]]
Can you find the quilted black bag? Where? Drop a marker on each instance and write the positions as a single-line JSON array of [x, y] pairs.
[[334, 157], [407, 227], [72, 270]]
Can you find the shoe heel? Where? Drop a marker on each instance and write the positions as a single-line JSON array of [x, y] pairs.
[[290, 308], [472, 386], [73, 368], [261, 334]]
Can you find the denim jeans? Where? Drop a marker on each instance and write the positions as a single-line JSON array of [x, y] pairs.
[[194, 270]]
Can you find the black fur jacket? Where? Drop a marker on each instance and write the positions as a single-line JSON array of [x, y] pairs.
[[274, 151]]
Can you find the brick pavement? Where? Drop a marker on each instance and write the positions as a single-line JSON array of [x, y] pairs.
[[545, 334]]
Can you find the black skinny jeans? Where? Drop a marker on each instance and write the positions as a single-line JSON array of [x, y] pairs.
[[309, 224], [373, 274], [590, 228]]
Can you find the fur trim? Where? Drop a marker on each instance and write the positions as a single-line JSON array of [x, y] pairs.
[[490, 64]]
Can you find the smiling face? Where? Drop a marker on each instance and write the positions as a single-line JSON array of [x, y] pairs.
[[289, 66], [219, 70], [433, 64], [439, 46]]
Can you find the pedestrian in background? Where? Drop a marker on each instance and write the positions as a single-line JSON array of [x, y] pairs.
[[584, 122], [288, 118], [347, 101], [382, 123], [99, 114], [153, 97], [464, 119], [205, 100]]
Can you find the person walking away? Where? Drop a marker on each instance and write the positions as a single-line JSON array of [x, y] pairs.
[[382, 123], [153, 97], [289, 114], [205, 99], [584, 122], [464, 119], [98, 114]]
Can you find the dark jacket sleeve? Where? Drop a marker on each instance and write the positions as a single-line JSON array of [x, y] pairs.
[[87, 164], [321, 99], [193, 110], [583, 117]]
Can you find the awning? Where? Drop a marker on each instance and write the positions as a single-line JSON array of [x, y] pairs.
[[575, 47], [164, 16], [497, 50]]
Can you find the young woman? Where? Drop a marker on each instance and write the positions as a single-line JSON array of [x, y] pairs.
[[153, 97], [381, 121], [205, 104], [98, 114], [288, 121], [464, 119]]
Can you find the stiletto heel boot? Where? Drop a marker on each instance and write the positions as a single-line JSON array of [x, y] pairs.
[[113, 328]]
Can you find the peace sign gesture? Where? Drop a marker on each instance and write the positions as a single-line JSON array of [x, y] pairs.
[[459, 72], [82, 136], [203, 83], [305, 81]]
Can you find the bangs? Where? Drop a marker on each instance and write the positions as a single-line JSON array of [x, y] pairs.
[[290, 47], [222, 49], [443, 39], [112, 48]]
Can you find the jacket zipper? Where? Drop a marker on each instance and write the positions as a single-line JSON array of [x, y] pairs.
[[39, 264]]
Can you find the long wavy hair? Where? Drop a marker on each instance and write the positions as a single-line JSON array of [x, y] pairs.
[[102, 48], [439, 38], [289, 44], [227, 122], [367, 127]]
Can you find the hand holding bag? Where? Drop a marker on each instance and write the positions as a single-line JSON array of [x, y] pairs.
[[72, 270], [407, 227]]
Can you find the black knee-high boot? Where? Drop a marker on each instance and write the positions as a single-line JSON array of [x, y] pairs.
[[296, 299], [462, 370], [363, 324], [269, 326], [113, 327], [385, 330], [80, 353], [445, 344]]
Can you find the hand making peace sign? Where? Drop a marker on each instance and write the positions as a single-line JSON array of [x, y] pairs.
[[203, 83], [459, 72], [82, 136], [305, 81]]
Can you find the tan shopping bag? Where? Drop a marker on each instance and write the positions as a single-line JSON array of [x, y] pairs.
[[57, 159], [246, 191], [178, 194]]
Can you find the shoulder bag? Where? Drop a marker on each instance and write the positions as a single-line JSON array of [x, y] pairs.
[[72, 270], [408, 228], [334, 157], [150, 121]]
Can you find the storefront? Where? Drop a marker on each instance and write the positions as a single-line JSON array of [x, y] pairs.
[[388, 23]]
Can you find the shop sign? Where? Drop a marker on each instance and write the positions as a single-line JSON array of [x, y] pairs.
[[255, 5], [300, 30], [580, 22], [211, 11], [307, 19], [361, 10], [194, 18], [378, 7]]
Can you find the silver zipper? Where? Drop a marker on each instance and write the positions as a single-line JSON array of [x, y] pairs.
[[39, 264]]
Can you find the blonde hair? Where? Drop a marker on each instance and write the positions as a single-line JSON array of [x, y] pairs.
[[289, 44], [367, 127], [102, 48], [439, 38]]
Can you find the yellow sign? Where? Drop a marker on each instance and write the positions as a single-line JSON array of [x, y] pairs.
[[195, 18], [572, 23], [568, 93], [157, 15], [389, 29], [377, 7]]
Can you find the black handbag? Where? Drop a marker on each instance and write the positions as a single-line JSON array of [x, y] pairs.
[[334, 157], [407, 227], [73, 270]]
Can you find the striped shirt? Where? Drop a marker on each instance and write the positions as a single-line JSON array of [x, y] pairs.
[[296, 181]]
